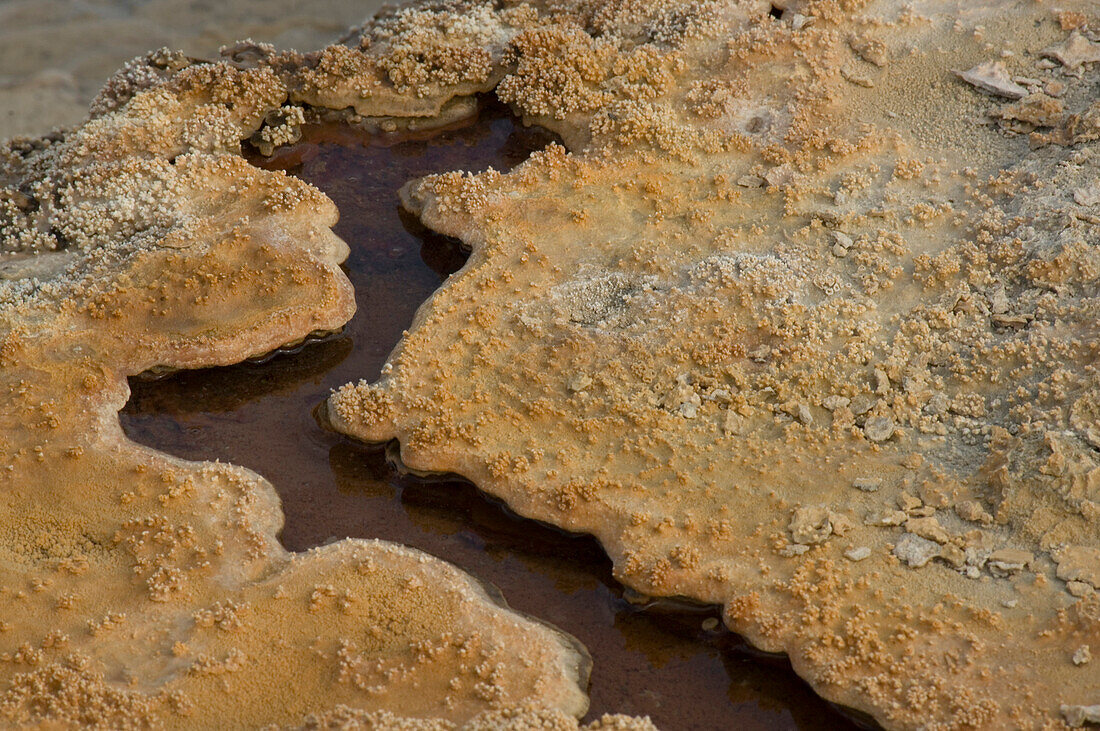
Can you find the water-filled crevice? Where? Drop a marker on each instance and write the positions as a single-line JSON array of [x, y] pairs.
[[681, 668]]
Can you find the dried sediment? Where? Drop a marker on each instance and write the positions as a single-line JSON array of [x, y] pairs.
[[803, 323], [141, 590]]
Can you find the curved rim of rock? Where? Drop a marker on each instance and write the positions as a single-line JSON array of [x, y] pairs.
[[143, 590], [802, 322]]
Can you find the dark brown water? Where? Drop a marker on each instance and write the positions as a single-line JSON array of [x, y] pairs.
[[646, 662]]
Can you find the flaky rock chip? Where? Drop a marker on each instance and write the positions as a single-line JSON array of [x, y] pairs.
[[141, 590], [804, 334]]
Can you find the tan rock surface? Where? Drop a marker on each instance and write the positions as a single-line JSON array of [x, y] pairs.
[[769, 269], [140, 590]]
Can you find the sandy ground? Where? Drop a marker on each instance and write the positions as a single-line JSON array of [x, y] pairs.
[[55, 54]]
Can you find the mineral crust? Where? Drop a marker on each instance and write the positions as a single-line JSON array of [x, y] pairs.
[[798, 322], [139, 590]]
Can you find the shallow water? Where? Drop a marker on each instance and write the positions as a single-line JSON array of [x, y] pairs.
[[646, 662]]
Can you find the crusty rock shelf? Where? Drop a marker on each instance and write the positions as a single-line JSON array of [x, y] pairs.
[[803, 322], [140, 590]]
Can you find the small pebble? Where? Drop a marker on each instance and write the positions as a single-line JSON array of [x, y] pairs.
[[857, 554]]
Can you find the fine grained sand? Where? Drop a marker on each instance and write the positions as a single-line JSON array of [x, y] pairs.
[[55, 54]]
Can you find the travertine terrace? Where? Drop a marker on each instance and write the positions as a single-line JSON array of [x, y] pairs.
[[801, 321], [138, 590]]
